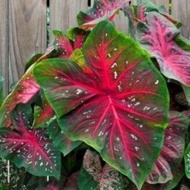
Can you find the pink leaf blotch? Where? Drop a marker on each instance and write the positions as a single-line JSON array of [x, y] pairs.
[[105, 177]]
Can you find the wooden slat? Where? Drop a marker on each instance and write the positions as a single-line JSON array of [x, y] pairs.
[[181, 12], [63, 13], [162, 2], [134, 2], [27, 25], [121, 22], [4, 65], [156, 2]]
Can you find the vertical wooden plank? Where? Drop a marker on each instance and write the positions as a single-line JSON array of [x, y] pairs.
[[63, 13], [121, 22], [181, 11], [156, 2], [27, 30], [134, 2], [92, 2], [4, 65], [162, 2]]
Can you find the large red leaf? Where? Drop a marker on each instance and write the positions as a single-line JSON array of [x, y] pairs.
[[116, 109], [101, 10], [158, 37], [66, 92], [29, 148], [172, 151]]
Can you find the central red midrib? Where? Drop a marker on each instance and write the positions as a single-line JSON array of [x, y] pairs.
[[117, 119]]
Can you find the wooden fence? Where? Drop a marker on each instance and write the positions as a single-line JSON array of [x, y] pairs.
[[24, 28]]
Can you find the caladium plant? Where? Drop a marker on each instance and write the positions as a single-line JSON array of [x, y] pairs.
[[101, 106]]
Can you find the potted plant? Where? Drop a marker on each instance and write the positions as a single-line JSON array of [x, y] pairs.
[[102, 109]]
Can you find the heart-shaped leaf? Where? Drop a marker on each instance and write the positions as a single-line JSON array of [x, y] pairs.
[[116, 109], [158, 37], [94, 176], [101, 10], [27, 147], [172, 151]]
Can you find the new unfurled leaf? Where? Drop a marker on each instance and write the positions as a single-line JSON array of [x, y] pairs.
[[158, 37], [27, 147], [101, 10], [116, 109], [173, 150], [78, 57]]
